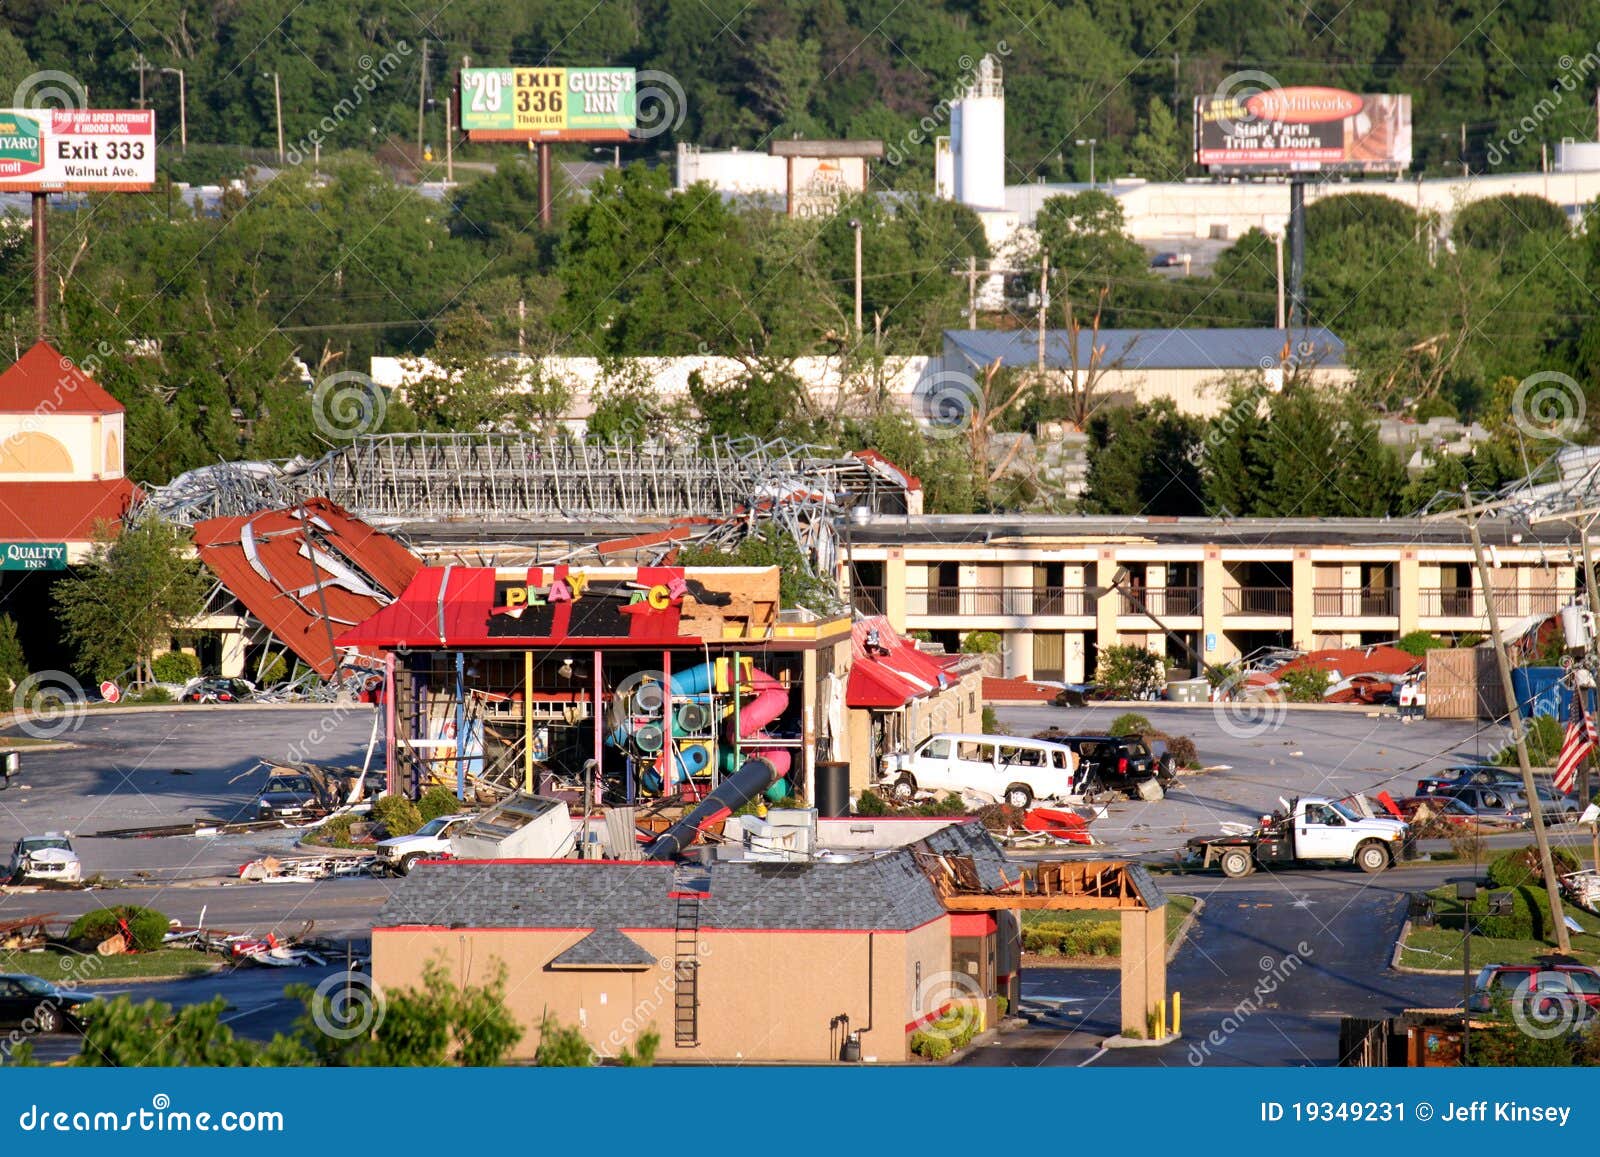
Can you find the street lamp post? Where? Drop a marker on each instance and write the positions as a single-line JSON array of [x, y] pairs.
[[277, 103], [1091, 143], [183, 108]]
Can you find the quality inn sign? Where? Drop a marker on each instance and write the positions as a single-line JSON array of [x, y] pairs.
[[33, 556]]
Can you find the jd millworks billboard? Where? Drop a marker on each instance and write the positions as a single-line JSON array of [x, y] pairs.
[[548, 104], [60, 150], [1303, 130]]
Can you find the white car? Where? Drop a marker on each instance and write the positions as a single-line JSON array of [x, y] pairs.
[[46, 858], [432, 839], [1003, 767]]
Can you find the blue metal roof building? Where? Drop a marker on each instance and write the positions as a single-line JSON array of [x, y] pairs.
[[1133, 350]]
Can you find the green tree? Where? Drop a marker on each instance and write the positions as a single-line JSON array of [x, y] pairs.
[[1156, 154], [128, 599], [13, 663], [1144, 460]]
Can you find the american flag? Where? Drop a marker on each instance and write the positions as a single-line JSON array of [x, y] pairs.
[[1578, 742]]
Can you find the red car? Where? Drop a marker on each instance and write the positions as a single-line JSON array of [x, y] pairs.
[[1442, 807], [1556, 985]]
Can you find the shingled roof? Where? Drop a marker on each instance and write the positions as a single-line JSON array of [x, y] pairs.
[[882, 894], [605, 948], [973, 839]]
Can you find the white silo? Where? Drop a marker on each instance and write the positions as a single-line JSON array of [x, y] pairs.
[[978, 139]]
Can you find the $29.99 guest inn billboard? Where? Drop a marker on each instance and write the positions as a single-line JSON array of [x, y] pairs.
[[548, 104], [1303, 130], [65, 150]]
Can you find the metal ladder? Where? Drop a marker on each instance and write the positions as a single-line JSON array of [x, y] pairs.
[[689, 883]]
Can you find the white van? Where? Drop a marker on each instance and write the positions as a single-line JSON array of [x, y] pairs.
[[1004, 767]]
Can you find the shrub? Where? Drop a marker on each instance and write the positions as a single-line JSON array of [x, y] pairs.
[[146, 926], [1419, 643], [870, 803], [1183, 750], [1130, 723], [981, 643], [1074, 938], [1128, 671], [931, 1045], [950, 805], [1304, 684], [398, 815], [991, 722], [275, 671], [150, 695], [335, 830], [437, 801], [1543, 735], [175, 667], [1519, 866], [1000, 817]]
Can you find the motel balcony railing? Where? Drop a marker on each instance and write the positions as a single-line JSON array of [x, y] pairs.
[[968, 602], [1354, 602], [1258, 601], [1163, 602], [1461, 602]]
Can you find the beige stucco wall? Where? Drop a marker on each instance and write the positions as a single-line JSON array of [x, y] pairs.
[[55, 447], [763, 995]]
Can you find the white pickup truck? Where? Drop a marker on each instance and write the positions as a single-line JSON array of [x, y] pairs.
[[1312, 830]]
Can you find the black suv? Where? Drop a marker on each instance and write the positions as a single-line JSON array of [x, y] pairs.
[[1115, 762]]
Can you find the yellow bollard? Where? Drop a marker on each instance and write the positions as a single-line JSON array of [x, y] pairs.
[[1161, 1020], [1177, 1014]]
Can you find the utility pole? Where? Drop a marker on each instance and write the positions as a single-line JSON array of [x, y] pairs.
[[1463, 148], [1558, 915], [972, 291], [855, 225], [41, 297], [449, 139], [422, 99], [140, 64], [277, 103], [1044, 305]]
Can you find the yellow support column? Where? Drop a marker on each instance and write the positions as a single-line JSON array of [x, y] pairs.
[[527, 721], [1408, 591], [1302, 601]]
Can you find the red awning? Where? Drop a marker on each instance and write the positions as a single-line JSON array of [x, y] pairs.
[[887, 671], [62, 511], [309, 572]]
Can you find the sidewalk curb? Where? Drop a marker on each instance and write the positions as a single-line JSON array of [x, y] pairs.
[[1400, 946], [1181, 936]]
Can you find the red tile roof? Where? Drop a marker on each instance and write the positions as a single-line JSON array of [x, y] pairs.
[[893, 672], [61, 511], [1348, 661], [280, 583], [1009, 690], [42, 381]]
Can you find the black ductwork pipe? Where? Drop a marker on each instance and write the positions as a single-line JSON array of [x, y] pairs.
[[731, 794]]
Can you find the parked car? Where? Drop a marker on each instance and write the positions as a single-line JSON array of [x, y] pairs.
[[1556, 985], [400, 854], [45, 859], [1013, 770], [1469, 773], [1446, 808], [27, 1002], [218, 691], [1118, 762], [1168, 260], [1499, 803], [289, 797]]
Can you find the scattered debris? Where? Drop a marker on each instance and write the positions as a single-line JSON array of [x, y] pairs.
[[272, 870]]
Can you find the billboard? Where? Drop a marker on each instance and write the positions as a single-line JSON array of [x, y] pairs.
[[817, 184], [548, 104], [68, 150], [1303, 130]]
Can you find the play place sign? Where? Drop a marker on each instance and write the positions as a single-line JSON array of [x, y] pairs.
[[33, 556]]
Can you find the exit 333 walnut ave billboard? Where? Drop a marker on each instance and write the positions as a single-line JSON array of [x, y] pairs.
[[67, 150], [1303, 130]]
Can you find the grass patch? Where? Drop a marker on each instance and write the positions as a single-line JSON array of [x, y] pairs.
[[1093, 934], [10, 741], [60, 967], [1440, 945]]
